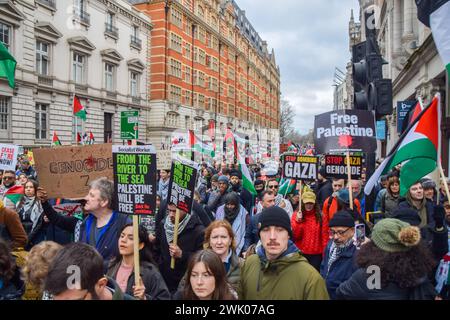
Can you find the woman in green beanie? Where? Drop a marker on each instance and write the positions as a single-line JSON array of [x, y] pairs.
[[393, 266]]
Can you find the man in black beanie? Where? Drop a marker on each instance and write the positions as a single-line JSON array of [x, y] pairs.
[[236, 186], [338, 263], [278, 270]]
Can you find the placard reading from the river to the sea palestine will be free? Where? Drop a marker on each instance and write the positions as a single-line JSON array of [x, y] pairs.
[[182, 183], [135, 179]]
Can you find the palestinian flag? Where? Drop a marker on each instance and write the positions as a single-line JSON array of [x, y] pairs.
[[15, 194], [197, 145], [418, 149], [287, 186], [7, 65], [435, 14], [78, 138], [228, 140], [247, 181], [55, 140], [78, 109]]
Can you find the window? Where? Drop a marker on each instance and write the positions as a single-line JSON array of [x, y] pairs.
[[176, 17], [231, 73], [213, 84], [110, 19], [213, 104], [175, 94], [201, 100], [202, 57], [109, 77], [201, 34], [231, 91], [5, 34], [172, 119], [201, 79], [188, 28], [187, 74], [187, 97], [41, 121], [4, 116], [176, 42], [134, 84], [200, 12], [214, 64], [215, 43], [175, 68], [42, 58], [78, 65], [188, 52], [135, 31], [195, 54]]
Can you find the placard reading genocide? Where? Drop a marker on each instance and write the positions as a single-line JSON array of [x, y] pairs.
[[336, 166], [182, 183], [345, 130], [135, 179], [300, 167], [65, 172]]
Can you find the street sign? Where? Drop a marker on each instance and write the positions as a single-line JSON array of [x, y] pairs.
[[381, 130], [129, 125], [403, 108]]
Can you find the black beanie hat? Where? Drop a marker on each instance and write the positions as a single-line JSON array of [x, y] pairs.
[[274, 216], [235, 173], [407, 215], [342, 219]]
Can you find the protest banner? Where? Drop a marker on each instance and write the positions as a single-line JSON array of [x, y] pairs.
[[30, 156], [336, 166], [300, 167], [69, 209], [163, 159], [8, 156], [65, 172], [345, 130], [134, 170], [182, 183], [181, 191]]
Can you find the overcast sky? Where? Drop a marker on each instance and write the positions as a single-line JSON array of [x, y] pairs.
[[310, 38]]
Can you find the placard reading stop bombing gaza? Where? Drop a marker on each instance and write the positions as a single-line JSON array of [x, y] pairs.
[[134, 179], [300, 167], [336, 166]]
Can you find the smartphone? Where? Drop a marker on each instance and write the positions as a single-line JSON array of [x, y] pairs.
[[360, 235]]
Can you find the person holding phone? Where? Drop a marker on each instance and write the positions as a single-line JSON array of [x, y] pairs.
[[338, 263]]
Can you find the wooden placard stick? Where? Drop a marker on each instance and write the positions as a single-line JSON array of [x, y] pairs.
[[175, 236], [349, 176]]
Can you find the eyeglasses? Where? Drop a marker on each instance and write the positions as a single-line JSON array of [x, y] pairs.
[[272, 187], [332, 233], [7, 178]]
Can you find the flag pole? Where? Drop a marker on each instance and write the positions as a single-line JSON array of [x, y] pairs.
[[175, 236], [349, 176], [136, 240]]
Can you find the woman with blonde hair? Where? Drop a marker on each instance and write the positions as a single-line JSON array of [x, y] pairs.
[[36, 268]]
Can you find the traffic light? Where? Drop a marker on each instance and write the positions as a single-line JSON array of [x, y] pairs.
[[372, 92]]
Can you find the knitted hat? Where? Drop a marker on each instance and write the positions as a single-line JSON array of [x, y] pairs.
[[323, 172], [342, 219], [274, 216], [407, 215], [344, 196], [429, 184], [224, 179], [236, 173], [393, 235], [215, 177], [308, 197]]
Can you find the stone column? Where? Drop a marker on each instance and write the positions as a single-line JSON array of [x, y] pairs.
[[397, 26], [408, 11]]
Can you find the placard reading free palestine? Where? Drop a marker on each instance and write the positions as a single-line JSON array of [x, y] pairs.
[[134, 179]]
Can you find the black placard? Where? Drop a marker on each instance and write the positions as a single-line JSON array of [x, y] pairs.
[[135, 179], [183, 176], [336, 166], [300, 167], [345, 130]]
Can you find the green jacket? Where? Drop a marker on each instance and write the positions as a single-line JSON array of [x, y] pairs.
[[290, 277]]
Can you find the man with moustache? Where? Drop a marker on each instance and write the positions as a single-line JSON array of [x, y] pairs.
[[278, 270], [338, 263]]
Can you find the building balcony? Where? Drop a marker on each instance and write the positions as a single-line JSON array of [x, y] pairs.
[[82, 16], [81, 87], [136, 42], [111, 94], [44, 80], [136, 100], [111, 31], [51, 4]]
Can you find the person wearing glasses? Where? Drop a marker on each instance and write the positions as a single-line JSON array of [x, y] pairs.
[[190, 239], [281, 202], [338, 263], [8, 181]]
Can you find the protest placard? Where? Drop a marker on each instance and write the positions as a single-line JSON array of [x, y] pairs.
[[300, 167], [182, 183], [8, 156], [65, 172], [336, 166], [134, 179], [69, 209], [163, 159]]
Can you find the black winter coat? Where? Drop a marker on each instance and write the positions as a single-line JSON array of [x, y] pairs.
[[356, 288], [155, 287], [189, 241]]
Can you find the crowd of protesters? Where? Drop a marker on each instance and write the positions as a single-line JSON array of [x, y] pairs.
[[234, 244]]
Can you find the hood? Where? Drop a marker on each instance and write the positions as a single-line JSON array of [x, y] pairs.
[[292, 254]]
